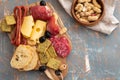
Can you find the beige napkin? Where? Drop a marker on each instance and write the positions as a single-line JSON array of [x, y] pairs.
[[108, 23]]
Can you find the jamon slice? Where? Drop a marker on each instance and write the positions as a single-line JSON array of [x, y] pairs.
[[53, 26], [41, 12]]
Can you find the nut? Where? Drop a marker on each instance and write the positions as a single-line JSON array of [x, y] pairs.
[[83, 20], [76, 12], [97, 10], [88, 10], [92, 18], [82, 14], [98, 15], [81, 1], [84, 9], [78, 15], [96, 3], [89, 13], [88, 0], [79, 7]]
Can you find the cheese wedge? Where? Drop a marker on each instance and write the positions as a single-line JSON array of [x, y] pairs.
[[38, 30], [27, 25]]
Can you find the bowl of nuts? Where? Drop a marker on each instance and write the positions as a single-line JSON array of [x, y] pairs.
[[88, 12]]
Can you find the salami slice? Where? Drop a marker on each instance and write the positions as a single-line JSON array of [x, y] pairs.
[[61, 45]]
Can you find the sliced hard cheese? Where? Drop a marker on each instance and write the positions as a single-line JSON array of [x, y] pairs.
[[27, 25], [22, 57], [38, 30]]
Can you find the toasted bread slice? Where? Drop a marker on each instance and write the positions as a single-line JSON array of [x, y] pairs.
[[22, 57], [33, 62], [38, 65]]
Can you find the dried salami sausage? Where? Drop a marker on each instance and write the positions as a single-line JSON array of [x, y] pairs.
[[19, 13]]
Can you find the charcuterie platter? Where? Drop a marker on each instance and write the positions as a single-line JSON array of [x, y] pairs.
[[40, 39]]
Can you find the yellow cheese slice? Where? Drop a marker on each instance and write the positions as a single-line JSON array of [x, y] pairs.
[[27, 25], [38, 30]]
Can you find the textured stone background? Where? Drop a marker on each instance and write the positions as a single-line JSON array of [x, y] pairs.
[[103, 51]]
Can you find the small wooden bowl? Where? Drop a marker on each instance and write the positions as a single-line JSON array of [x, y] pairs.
[[90, 24]]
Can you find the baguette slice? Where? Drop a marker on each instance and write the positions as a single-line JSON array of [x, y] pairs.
[[34, 61], [22, 57]]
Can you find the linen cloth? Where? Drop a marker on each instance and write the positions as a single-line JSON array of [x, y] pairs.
[[107, 25]]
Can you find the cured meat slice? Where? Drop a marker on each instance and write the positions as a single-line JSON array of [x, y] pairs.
[[53, 26], [41, 12], [61, 45]]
